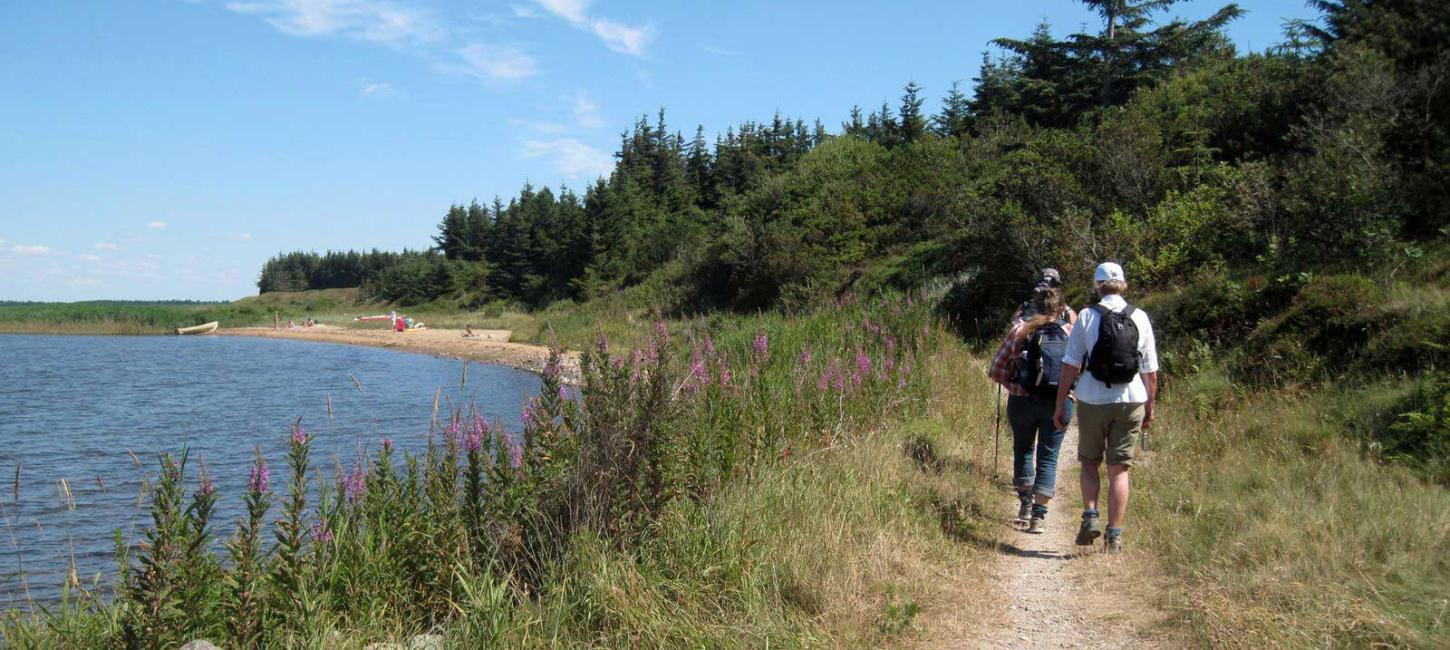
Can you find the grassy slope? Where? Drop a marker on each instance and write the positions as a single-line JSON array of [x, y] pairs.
[[1282, 533]]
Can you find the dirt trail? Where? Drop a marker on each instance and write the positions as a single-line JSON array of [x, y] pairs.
[[490, 346], [1051, 593]]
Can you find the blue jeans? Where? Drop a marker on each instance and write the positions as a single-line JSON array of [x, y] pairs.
[[1031, 422]]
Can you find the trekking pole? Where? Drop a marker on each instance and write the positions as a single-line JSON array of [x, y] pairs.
[[997, 432]]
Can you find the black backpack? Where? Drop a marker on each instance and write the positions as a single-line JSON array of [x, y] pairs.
[[1040, 369], [1114, 357]]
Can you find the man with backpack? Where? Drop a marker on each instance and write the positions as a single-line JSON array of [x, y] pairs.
[[1114, 342], [1029, 365]]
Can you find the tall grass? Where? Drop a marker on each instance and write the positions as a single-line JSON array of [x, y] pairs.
[[1283, 532], [107, 317], [738, 482]]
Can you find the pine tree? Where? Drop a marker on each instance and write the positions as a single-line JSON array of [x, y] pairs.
[[911, 123], [953, 121]]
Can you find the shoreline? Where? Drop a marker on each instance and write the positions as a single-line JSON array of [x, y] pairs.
[[491, 346]]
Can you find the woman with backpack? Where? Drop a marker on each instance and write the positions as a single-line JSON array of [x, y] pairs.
[[1029, 365]]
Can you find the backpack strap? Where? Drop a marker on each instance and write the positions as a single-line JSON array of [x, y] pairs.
[[1128, 311]]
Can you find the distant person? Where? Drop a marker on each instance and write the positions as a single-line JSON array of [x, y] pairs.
[[1113, 340], [468, 332], [1029, 365], [276, 321], [1048, 279], [291, 325], [310, 323]]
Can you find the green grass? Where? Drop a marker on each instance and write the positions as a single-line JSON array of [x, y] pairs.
[[1283, 532]]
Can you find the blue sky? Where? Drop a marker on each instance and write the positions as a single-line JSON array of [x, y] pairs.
[[165, 148]]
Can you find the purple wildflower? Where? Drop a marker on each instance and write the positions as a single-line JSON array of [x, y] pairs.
[[299, 436], [901, 382], [320, 533], [387, 444], [564, 393], [825, 380], [863, 362], [260, 478], [354, 484], [207, 487], [761, 347], [806, 357], [856, 379], [515, 451], [709, 347], [474, 441], [724, 376], [662, 333]]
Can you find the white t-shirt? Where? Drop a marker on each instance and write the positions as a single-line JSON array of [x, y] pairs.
[[1080, 343]]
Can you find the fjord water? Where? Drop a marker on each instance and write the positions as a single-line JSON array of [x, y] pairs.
[[94, 412]]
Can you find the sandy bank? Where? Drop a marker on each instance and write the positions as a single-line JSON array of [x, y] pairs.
[[491, 346]]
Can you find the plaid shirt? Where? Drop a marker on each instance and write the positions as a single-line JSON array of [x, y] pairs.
[[1009, 357]]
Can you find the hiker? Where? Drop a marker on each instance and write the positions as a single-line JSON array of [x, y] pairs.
[[1049, 279], [1113, 340], [1029, 365]]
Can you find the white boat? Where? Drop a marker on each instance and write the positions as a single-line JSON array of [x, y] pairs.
[[204, 328]]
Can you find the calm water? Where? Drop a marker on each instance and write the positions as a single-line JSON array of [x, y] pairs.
[[77, 408]]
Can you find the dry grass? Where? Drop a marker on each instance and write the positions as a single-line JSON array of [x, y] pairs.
[[1281, 534]]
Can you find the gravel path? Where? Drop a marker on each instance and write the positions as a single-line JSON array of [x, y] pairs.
[[1055, 594]]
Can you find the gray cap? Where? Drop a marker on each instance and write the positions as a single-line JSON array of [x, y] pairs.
[[1050, 278]]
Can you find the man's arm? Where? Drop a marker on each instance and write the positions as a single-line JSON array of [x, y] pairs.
[[1150, 381], [1064, 387]]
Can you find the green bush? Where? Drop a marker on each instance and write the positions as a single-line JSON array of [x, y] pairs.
[[1419, 436], [1322, 333]]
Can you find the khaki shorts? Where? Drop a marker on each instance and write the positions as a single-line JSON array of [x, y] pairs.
[[1110, 428]]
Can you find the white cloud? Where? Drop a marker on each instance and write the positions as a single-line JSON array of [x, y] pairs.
[[91, 258], [625, 39], [373, 21], [245, 236], [497, 63], [622, 38], [586, 112], [156, 225], [2, 240], [376, 89], [30, 250], [573, 11], [105, 246], [571, 157]]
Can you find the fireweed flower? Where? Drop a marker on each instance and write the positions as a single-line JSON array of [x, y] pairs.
[[806, 357], [299, 436], [724, 376], [863, 362], [207, 487], [387, 444], [761, 347], [709, 347], [260, 477], [354, 484], [320, 533], [825, 381], [474, 441]]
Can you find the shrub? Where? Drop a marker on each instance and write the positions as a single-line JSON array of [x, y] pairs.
[[1419, 435]]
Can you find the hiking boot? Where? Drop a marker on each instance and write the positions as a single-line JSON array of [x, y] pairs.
[[1089, 531], [1024, 511], [1113, 544], [1038, 525]]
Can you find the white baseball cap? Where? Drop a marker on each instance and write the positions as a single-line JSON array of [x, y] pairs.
[[1108, 271]]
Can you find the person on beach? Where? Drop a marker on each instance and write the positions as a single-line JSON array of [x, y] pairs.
[[1029, 365], [1114, 341], [468, 332], [1048, 279]]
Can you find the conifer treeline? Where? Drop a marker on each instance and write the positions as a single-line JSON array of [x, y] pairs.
[[1149, 141]]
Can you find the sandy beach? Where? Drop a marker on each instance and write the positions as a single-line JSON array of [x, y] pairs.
[[490, 346]]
